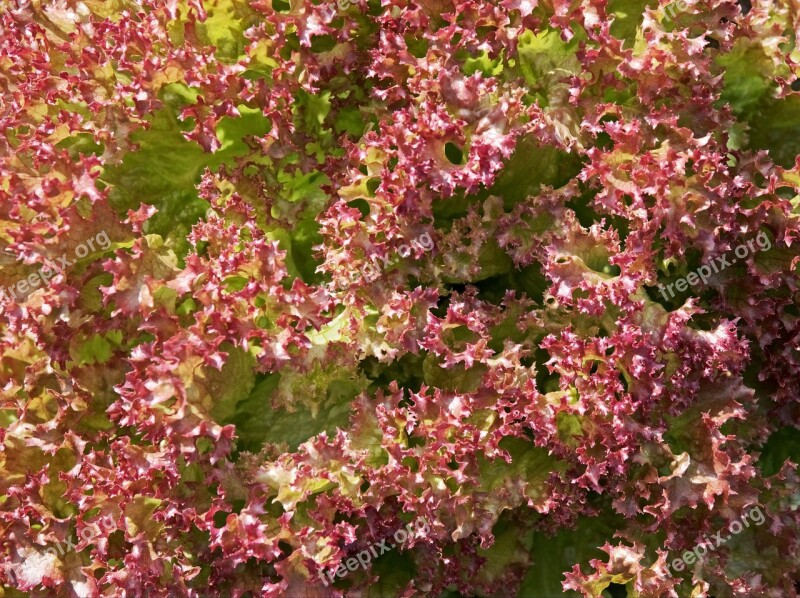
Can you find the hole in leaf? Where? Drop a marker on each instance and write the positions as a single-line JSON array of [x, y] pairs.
[[545, 381], [453, 153], [373, 184], [418, 48], [604, 141], [322, 43], [220, 517], [616, 590], [361, 205]]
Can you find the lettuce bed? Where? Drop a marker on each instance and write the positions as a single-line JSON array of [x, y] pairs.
[[283, 279]]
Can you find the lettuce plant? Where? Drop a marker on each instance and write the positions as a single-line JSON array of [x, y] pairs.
[[219, 401]]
